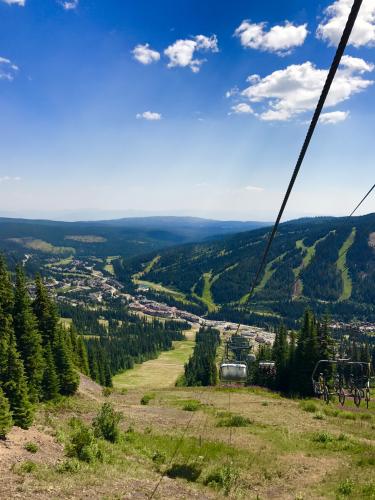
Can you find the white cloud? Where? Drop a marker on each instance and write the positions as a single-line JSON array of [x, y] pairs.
[[336, 15], [233, 91], [333, 117], [254, 189], [7, 69], [149, 115], [69, 4], [7, 178], [242, 108], [145, 55], [279, 39], [181, 53], [296, 89], [21, 3]]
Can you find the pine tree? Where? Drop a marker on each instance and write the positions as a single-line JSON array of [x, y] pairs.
[[93, 364], [6, 289], [82, 356], [15, 386], [68, 376], [280, 355], [28, 338], [46, 313], [6, 420], [50, 382], [307, 354]]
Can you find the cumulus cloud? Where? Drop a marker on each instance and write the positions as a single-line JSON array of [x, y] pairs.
[[279, 39], [256, 189], [149, 115], [289, 92], [7, 69], [145, 55], [69, 4], [21, 3], [181, 53], [7, 178], [336, 15], [333, 117], [242, 108]]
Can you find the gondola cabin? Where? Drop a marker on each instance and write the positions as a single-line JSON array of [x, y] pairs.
[[233, 372]]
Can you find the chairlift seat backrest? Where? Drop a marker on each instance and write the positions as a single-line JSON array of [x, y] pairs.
[[233, 372]]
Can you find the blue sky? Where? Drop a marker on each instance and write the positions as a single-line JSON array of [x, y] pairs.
[[153, 107]]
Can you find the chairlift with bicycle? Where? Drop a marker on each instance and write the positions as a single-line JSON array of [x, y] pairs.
[[342, 378]]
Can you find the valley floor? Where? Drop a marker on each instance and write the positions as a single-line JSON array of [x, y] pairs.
[[283, 449]]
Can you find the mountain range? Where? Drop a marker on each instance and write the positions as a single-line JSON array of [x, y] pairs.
[[126, 236], [325, 262]]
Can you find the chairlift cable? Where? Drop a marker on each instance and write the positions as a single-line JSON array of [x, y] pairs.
[[363, 199], [314, 121], [326, 88]]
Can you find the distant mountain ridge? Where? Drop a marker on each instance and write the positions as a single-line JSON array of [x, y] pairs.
[[127, 236], [325, 261]]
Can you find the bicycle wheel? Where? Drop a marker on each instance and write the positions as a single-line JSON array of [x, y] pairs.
[[357, 398]]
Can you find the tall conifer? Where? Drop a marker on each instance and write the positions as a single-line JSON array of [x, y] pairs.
[[50, 382], [6, 420], [15, 386], [28, 338], [68, 376]]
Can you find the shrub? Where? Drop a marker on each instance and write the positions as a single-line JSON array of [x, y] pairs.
[[322, 437], [368, 490], [107, 391], [190, 472], [27, 467], [106, 423], [191, 405], [31, 447], [224, 478], [83, 444], [309, 406], [265, 403], [158, 457], [319, 416], [234, 421], [71, 466], [146, 398], [346, 487]]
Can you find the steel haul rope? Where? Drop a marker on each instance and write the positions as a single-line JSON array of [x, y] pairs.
[[314, 121], [326, 88], [363, 199]]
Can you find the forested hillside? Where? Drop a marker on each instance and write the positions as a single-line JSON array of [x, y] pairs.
[[327, 262], [38, 358], [128, 237]]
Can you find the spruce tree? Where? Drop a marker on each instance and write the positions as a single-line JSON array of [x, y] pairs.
[[28, 338], [82, 356], [6, 289], [15, 386], [50, 382], [68, 376], [307, 354], [6, 420], [46, 313], [280, 355]]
